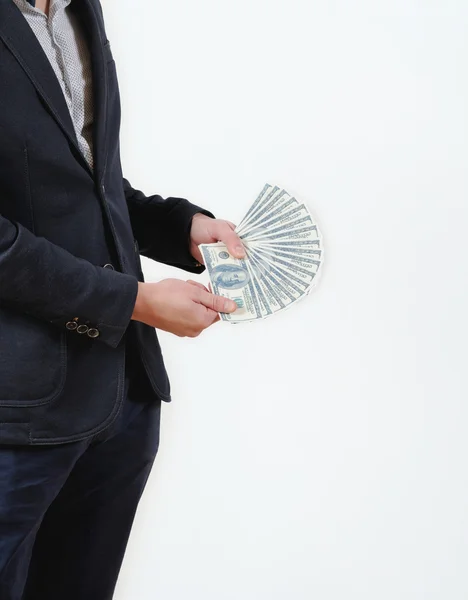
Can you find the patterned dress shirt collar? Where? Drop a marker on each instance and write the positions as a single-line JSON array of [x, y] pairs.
[[31, 2]]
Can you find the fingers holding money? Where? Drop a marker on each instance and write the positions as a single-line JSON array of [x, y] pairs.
[[283, 255], [218, 304], [226, 234], [211, 301], [205, 230]]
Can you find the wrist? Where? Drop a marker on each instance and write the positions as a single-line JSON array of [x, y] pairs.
[[140, 303]]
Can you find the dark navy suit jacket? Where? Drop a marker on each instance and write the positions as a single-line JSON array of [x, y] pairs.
[[64, 315]]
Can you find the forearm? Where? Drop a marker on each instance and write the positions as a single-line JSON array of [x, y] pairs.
[[45, 281], [162, 227]]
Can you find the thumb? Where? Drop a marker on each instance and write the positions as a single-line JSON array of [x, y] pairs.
[[217, 303], [225, 233]]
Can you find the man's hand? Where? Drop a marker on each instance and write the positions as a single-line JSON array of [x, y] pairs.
[[182, 308], [206, 230]]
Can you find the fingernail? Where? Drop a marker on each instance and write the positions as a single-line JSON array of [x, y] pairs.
[[240, 251]]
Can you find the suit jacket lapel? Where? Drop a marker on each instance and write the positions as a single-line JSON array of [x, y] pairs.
[[23, 44]]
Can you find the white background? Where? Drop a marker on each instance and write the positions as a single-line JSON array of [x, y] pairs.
[[321, 455]]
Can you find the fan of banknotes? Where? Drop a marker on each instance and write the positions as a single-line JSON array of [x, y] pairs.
[[283, 257]]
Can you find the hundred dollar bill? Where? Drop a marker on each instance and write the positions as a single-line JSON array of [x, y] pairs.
[[291, 261], [280, 279], [279, 250], [263, 231], [265, 305], [283, 257], [286, 244], [275, 299], [280, 270], [276, 202], [308, 232], [313, 261], [286, 202], [300, 275], [265, 193], [283, 219], [232, 278], [271, 198], [279, 290]]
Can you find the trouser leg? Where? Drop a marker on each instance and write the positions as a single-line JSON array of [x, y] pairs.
[[30, 480], [81, 543]]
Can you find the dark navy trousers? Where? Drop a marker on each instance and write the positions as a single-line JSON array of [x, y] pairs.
[[66, 511]]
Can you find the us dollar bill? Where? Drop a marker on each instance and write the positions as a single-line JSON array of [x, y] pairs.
[[232, 278], [284, 254], [276, 201], [267, 191]]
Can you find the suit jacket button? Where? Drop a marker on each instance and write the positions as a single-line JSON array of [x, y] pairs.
[[109, 266], [82, 329], [71, 325], [93, 333]]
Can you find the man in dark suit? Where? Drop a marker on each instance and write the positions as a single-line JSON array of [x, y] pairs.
[[81, 371]]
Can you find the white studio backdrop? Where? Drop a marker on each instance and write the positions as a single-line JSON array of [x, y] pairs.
[[322, 454]]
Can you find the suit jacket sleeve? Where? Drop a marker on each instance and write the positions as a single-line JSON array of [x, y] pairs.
[[40, 278], [162, 228]]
